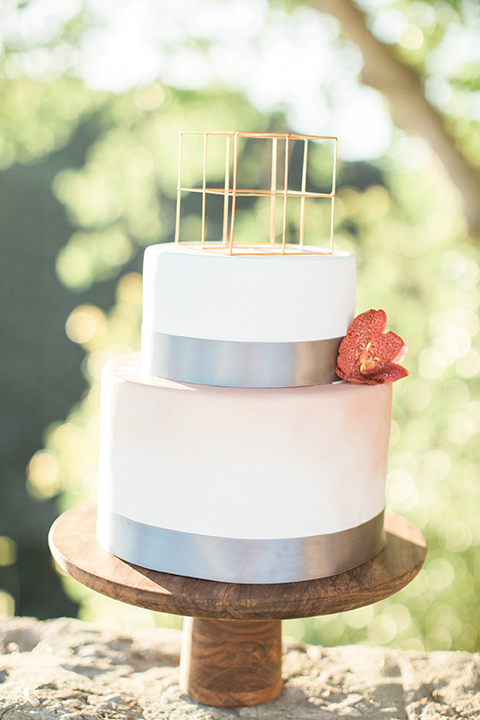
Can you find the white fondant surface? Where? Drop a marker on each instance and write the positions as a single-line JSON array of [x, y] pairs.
[[242, 463], [290, 298]]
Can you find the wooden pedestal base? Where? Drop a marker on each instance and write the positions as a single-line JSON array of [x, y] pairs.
[[232, 637], [231, 663]]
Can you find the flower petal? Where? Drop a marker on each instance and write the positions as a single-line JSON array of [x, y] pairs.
[[347, 355], [367, 324], [386, 372], [388, 346], [354, 377], [360, 380]]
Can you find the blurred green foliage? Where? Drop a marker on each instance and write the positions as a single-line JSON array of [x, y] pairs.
[[407, 231], [39, 367], [414, 261]]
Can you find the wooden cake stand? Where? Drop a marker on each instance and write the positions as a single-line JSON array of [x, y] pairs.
[[232, 652]]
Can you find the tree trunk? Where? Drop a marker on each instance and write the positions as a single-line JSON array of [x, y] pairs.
[[403, 89]]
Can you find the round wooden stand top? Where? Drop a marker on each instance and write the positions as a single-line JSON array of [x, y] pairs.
[[75, 547]]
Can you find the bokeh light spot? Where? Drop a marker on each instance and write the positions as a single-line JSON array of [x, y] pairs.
[[412, 643], [419, 585], [453, 265], [80, 326], [129, 289], [417, 395], [455, 394], [400, 615], [73, 267], [420, 434], [138, 162], [468, 366], [382, 629], [12, 66], [412, 39], [8, 551], [70, 105], [470, 275], [439, 639], [423, 15], [437, 463], [85, 323], [359, 618], [43, 475], [389, 24], [461, 427], [453, 341], [330, 628], [149, 98], [7, 604], [294, 628], [402, 493], [94, 397], [431, 364], [67, 437], [440, 574], [457, 536]]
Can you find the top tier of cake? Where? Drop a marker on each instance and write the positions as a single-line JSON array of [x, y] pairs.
[[245, 320]]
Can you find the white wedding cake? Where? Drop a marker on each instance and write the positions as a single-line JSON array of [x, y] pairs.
[[230, 450]]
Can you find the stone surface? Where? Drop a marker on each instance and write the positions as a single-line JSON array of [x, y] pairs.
[[70, 670]]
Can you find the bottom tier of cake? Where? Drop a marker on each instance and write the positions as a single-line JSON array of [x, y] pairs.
[[241, 485]]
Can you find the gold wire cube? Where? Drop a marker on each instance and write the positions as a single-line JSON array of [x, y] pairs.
[[231, 191]]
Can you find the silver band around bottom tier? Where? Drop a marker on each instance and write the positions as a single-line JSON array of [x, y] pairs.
[[238, 560], [228, 363]]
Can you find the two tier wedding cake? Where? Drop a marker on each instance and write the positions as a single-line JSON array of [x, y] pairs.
[[230, 448]]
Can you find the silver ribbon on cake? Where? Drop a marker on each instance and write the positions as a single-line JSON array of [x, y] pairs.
[[229, 363], [239, 560]]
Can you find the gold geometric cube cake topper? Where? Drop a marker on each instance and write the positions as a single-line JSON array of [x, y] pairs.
[[284, 198]]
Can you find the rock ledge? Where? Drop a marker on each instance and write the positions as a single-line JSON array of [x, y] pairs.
[[70, 670]]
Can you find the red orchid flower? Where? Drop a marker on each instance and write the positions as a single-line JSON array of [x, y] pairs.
[[368, 354]]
